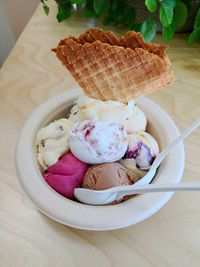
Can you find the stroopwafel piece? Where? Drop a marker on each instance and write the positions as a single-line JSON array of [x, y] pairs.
[[111, 68]]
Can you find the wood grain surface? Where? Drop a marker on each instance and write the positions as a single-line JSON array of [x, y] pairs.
[[32, 74]]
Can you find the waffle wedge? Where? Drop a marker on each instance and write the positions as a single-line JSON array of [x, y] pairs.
[[111, 68]]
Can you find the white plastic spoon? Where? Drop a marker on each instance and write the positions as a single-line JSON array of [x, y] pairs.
[[103, 197]]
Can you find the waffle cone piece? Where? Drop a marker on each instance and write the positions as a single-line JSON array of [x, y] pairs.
[[111, 68]]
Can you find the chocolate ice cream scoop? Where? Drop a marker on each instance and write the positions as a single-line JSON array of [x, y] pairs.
[[108, 175]]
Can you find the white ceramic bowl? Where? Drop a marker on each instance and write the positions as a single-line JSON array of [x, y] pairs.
[[82, 216]]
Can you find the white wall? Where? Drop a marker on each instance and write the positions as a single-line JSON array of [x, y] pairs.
[[14, 15], [7, 39]]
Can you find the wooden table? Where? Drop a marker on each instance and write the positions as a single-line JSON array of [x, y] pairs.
[[171, 237]]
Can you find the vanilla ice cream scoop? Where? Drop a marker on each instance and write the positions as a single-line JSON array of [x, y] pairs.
[[96, 142], [141, 152], [52, 142], [129, 115]]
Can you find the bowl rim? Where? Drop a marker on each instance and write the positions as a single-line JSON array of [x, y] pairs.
[[78, 215]]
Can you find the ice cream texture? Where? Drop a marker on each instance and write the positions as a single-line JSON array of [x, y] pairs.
[[108, 175], [107, 134], [129, 115], [96, 142], [66, 175], [141, 152], [52, 142]]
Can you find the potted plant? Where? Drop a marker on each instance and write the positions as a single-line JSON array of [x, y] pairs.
[[148, 16]]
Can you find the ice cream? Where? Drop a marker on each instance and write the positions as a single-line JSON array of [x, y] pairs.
[[52, 142], [66, 175], [96, 142], [104, 176], [129, 115], [141, 152]]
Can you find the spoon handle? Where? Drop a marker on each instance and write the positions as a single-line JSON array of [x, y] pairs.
[[169, 148], [153, 188]]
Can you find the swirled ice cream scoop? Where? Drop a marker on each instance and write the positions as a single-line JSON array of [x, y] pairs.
[[141, 152], [96, 142], [52, 142], [129, 115]]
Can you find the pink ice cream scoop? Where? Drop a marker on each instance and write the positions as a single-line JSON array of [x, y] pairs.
[[66, 175]]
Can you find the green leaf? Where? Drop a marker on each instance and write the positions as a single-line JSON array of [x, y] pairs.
[[187, 3], [78, 2], [89, 13], [179, 18], [114, 5], [130, 16], [64, 11], [171, 3], [148, 29], [197, 20], [194, 36], [166, 12], [45, 7], [180, 13], [117, 12], [98, 5], [151, 5], [89, 10], [168, 32]]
